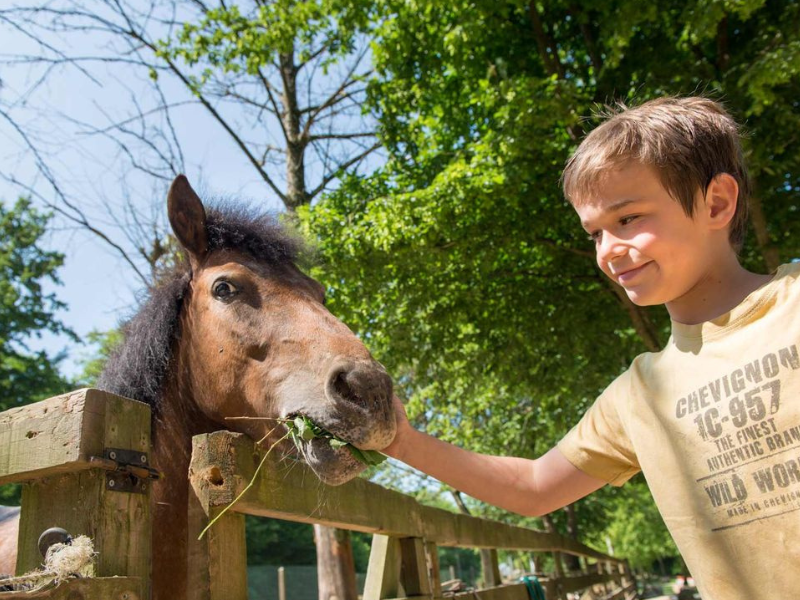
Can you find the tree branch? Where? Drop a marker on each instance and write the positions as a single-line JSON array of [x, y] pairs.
[[545, 44], [342, 136], [342, 168], [641, 323], [78, 217]]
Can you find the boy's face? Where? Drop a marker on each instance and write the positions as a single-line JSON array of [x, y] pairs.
[[644, 240]]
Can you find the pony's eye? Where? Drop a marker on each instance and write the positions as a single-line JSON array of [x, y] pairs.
[[224, 290]]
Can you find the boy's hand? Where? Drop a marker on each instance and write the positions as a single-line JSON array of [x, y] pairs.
[[395, 449]]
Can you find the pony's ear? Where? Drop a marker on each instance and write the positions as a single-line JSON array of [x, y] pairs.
[[188, 218]]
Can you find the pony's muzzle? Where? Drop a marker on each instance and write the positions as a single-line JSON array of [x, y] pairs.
[[364, 385]]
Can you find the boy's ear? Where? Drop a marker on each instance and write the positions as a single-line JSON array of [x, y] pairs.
[[721, 199]]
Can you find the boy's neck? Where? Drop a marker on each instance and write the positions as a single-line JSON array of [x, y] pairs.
[[722, 289]]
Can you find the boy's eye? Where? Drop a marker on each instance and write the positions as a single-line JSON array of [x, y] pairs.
[[595, 236], [627, 220]]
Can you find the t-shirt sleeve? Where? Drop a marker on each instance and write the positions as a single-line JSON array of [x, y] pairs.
[[599, 445]]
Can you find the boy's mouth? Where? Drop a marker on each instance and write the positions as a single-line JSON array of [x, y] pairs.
[[626, 276]]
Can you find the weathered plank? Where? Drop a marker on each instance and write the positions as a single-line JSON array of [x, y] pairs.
[[383, 571], [624, 592], [581, 582], [414, 579], [434, 573], [218, 562], [78, 426], [490, 567], [512, 591], [94, 588], [558, 566], [282, 491], [57, 435]]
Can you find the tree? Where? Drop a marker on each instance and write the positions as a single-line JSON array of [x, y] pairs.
[[27, 309], [26, 312], [93, 364], [634, 528], [461, 263]]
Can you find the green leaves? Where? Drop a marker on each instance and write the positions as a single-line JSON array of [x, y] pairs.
[[245, 40], [302, 429], [26, 310]]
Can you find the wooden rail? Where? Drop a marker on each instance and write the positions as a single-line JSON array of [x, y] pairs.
[[406, 534]]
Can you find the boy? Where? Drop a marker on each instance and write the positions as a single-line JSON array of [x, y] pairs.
[[713, 419]]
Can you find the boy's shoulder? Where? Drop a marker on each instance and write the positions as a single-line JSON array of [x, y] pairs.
[[773, 308]]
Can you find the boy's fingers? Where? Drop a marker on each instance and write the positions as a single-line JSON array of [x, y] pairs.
[[398, 407], [402, 424]]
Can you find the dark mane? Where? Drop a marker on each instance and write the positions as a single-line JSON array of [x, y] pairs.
[[138, 367]]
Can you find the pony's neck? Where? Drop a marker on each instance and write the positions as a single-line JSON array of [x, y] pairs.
[[177, 421]]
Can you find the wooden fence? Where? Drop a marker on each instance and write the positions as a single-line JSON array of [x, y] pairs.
[[58, 447]]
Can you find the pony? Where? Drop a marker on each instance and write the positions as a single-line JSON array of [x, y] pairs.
[[236, 329]]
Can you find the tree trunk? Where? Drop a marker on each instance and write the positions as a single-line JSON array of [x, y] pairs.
[[641, 323], [486, 554], [296, 194], [336, 572], [768, 250], [572, 562]]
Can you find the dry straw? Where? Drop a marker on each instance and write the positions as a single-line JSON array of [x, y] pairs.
[[63, 561]]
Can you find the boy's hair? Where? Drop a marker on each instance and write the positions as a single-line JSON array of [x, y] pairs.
[[687, 140]]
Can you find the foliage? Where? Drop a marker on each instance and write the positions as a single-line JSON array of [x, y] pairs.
[[226, 39], [27, 310], [460, 263], [630, 527], [277, 542], [106, 342]]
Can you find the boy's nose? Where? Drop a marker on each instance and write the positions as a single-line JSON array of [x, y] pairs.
[[610, 248]]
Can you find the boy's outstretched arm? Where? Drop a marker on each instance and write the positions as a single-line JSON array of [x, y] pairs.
[[528, 487]]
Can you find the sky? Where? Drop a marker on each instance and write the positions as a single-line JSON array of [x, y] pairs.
[[53, 106]]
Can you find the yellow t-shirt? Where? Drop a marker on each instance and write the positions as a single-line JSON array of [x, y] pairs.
[[713, 422]]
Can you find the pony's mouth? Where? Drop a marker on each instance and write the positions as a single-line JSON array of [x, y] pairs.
[[333, 465]]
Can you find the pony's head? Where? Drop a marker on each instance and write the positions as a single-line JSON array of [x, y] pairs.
[[250, 337]]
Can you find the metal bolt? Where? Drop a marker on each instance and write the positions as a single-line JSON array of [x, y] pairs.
[[143, 458], [111, 483], [144, 485], [112, 455], [54, 535]]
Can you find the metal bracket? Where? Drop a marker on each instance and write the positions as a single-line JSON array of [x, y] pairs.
[[128, 470]]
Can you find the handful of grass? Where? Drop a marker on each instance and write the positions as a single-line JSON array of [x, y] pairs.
[[302, 429]]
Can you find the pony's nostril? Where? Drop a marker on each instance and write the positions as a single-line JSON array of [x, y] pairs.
[[343, 390], [362, 385]]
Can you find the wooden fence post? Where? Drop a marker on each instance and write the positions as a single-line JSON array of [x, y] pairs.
[[383, 572], [281, 583], [434, 573], [559, 578], [490, 568], [72, 429], [601, 571], [413, 568], [217, 563]]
